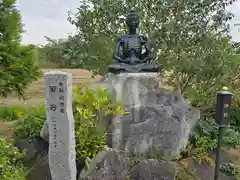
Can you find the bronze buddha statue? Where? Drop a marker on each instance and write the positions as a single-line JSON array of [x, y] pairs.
[[132, 58]]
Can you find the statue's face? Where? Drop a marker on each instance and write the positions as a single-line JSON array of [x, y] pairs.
[[132, 21]]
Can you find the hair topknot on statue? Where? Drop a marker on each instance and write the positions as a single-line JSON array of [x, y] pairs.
[[132, 12]]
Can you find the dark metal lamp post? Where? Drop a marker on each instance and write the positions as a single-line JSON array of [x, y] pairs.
[[223, 108]]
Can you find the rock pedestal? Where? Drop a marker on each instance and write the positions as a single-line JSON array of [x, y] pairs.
[[158, 119], [112, 165]]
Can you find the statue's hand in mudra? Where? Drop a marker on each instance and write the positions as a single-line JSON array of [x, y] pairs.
[[133, 58]]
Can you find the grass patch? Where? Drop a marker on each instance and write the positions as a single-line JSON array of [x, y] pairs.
[[11, 113]]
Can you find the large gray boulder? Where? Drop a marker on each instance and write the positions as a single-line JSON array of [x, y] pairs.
[[157, 120], [151, 169], [112, 165], [107, 165]]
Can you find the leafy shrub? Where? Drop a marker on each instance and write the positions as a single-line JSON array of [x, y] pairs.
[[29, 126], [204, 139], [90, 108], [10, 113], [11, 167]]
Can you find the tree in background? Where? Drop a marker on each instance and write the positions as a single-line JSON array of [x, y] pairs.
[[189, 38], [18, 66], [236, 81], [55, 52]]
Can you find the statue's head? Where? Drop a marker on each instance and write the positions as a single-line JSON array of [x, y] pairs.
[[132, 20]]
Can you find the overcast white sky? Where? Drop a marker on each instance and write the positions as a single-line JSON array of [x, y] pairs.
[[49, 18], [46, 18]]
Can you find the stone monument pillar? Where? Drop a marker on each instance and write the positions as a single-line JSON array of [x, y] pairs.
[[62, 155]]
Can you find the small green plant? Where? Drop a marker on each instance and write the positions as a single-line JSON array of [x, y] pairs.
[[231, 170], [11, 113], [91, 107], [11, 167], [204, 140], [29, 126], [182, 174]]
